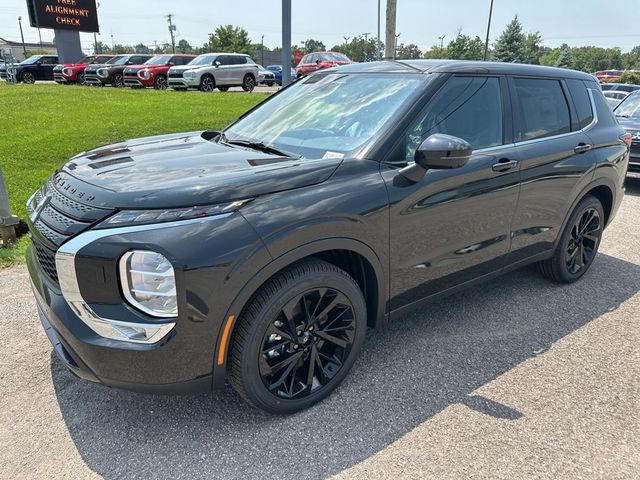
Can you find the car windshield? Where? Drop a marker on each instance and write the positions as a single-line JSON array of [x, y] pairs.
[[203, 60], [163, 60], [327, 115], [31, 60], [630, 107], [274, 68], [88, 59], [334, 57], [119, 60], [101, 60]]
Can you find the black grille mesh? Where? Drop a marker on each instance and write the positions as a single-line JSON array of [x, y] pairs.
[[47, 260]]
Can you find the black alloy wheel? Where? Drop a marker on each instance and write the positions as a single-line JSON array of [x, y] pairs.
[[80, 78], [117, 80], [578, 245], [249, 83], [307, 343], [207, 84], [160, 83], [298, 337], [584, 240], [28, 77]]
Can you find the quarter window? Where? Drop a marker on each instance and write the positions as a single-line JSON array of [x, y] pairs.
[[581, 100], [543, 108], [466, 107]]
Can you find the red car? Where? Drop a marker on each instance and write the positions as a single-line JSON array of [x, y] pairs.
[[313, 62], [74, 72], [609, 75], [154, 72]]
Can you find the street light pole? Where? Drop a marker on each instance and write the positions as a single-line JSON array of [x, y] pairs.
[[24, 47], [441, 41], [262, 50], [486, 43], [286, 42], [379, 56]]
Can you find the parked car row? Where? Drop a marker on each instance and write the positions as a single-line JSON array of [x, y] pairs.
[[205, 72]]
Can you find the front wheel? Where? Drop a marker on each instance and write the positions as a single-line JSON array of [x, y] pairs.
[[80, 78], [578, 245], [207, 84], [160, 83], [249, 83], [298, 337], [117, 80], [28, 77]]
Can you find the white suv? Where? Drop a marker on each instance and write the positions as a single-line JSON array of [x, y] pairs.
[[216, 70]]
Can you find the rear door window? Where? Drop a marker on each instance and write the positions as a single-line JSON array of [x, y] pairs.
[[542, 108]]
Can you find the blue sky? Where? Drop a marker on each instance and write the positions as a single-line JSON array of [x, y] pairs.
[[576, 22]]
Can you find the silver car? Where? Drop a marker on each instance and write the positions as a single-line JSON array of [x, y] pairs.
[[216, 70]]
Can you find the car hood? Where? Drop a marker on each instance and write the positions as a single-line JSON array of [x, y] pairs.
[[182, 68], [182, 170]]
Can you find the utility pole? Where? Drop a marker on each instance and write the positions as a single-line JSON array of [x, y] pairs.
[[172, 31], [395, 48], [442, 41], [379, 55], [24, 47], [113, 45], [286, 42], [486, 43], [366, 36], [95, 36], [346, 42], [211, 35], [262, 50], [390, 38]]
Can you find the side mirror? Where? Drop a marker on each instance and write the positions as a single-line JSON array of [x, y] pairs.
[[170, 64], [318, 62], [438, 152], [217, 63]]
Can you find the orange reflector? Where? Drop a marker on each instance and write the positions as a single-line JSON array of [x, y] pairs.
[[223, 341]]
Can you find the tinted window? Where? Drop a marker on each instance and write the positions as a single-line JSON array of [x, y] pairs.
[[603, 110], [224, 60], [581, 101], [466, 107], [543, 108], [49, 60]]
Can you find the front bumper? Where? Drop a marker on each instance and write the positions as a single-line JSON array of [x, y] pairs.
[[183, 83], [59, 78], [183, 360], [135, 82], [94, 79]]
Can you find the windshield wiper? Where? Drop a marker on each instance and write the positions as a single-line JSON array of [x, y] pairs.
[[260, 146]]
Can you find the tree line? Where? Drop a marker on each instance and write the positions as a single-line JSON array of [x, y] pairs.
[[513, 45]]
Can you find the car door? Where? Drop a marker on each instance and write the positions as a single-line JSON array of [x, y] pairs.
[[45, 68], [556, 161], [453, 225], [223, 70]]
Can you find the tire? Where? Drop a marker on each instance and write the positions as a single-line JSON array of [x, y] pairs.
[[302, 341], [207, 84], [160, 83], [223, 89], [578, 245], [117, 81], [28, 77], [80, 78], [248, 83]]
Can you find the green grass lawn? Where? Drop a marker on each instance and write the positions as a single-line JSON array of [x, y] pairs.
[[43, 125]]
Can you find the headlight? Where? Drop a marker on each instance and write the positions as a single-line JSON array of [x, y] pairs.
[[190, 74], [148, 283], [142, 217], [67, 72], [103, 72], [144, 74]]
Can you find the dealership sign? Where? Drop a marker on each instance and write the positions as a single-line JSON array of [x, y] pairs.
[[80, 15]]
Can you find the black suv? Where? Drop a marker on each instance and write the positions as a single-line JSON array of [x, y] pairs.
[[628, 114], [261, 254], [36, 67], [112, 72]]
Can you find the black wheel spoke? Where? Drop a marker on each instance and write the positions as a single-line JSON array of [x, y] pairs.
[[333, 339], [585, 236], [273, 369]]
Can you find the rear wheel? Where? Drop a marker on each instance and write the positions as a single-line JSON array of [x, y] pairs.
[[298, 337], [160, 82], [80, 78], [207, 84], [249, 83], [578, 245], [28, 77], [117, 80]]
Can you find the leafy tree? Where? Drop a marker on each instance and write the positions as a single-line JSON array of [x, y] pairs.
[[101, 47], [142, 48], [408, 52], [436, 52], [312, 45], [631, 60], [565, 58], [510, 46], [37, 51], [630, 77], [532, 48], [463, 47], [119, 49], [360, 49], [228, 38], [184, 47]]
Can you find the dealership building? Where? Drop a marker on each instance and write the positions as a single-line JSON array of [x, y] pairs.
[[8, 47]]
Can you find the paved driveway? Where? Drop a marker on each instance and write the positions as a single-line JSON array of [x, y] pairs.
[[514, 378]]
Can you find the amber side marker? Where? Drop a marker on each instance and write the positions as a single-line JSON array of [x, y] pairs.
[[223, 341]]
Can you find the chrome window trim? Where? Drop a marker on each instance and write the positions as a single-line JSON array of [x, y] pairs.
[[582, 130], [109, 327]]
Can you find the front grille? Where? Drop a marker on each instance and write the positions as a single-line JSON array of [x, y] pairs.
[[47, 260], [634, 167], [131, 72], [175, 74], [56, 222]]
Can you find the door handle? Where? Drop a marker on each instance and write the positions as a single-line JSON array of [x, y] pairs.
[[582, 148], [504, 164]]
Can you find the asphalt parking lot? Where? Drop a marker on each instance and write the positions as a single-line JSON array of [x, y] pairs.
[[517, 378]]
